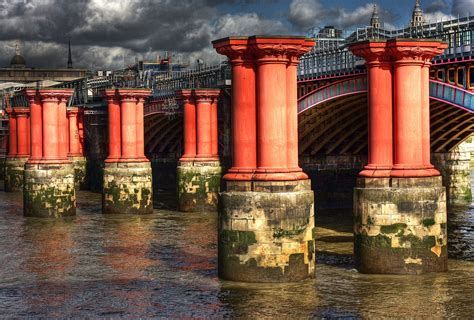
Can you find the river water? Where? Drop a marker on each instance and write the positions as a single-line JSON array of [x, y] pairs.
[[164, 265]]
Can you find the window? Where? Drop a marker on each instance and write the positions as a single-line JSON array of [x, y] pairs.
[[440, 75], [460, 79], [451, 75], [471, 77]]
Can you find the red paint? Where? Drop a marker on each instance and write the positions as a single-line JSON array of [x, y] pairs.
[[36, 127], [113, 108], [22, 132], [411, 107], [189, 109], [204, 99], [74, 143], [379, 71], [140, 128], [264, 75], [53, 125], [80, 128], [214, 129], [12, 137], [244, 107]]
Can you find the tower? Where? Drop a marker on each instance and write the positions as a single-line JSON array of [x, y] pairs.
[[375, 20], [69, 56], [417, 19]]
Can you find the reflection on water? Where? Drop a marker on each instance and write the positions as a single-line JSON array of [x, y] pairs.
[[165, 265]]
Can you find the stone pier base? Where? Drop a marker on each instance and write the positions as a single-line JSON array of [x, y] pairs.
[[80, 170], [198, 185], [266, 231], [127, 188], [14, 168], [456, 172], [400, 225], [49, 190]]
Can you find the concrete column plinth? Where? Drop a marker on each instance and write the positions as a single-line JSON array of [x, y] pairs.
[[80, 170], [198, 185], [266, 231], [127, 188], [456, 172], [14, 168], [400, 225], [49, 190]]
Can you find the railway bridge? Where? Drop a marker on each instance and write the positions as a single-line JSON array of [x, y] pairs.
[[255, 136]]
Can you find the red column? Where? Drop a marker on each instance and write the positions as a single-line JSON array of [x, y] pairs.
[[131, 124], [80, 128], [214, 129], [115, 140], [140, 128], [292, 110], [189, 108], [63, 143], [74, 143], [244, 112], [36, 127], [22, 132], [203, 124], [379, 70], [409, 118], [53, 125], [12, 137]]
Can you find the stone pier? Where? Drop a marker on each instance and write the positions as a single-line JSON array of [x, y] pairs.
[[18, 150], [399, 202], [266, 213], [76, 145], [48, 189], [127, 174], [455, 169], [199, 170]]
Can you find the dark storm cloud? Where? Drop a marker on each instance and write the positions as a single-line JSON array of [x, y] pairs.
[[438, 5], [462, 7]]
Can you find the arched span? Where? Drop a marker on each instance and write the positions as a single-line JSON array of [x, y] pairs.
[[440, 91]]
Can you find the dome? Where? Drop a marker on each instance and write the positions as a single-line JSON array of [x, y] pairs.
[[17, 61]]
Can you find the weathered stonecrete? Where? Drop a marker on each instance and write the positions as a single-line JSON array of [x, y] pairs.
[[199, 170], [266, 213], [399, 201], [127, 184]]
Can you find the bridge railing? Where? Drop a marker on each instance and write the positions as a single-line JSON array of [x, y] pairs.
[[451, 94]]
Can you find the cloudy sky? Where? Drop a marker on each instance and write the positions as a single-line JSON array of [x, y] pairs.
[[105, 34]]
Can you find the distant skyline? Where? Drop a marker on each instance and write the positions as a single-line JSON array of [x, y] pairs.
[[105, 33]]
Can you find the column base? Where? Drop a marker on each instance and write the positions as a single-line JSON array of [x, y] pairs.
[[80, 170], [14, 168], [198, 185], [266, 231], [400, 225], [49, 190], [127, 188]]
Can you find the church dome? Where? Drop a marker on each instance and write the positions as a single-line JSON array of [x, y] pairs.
[[17, 61]]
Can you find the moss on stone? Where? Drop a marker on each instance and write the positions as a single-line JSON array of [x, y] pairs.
[[394, 228], [428, 222], [280, 233]]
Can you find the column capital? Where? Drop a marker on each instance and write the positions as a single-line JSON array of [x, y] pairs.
[[184, 95], [278, 49], [111, 95], [133, 94], [55, 95], [206, 95], [414, 51], [72, 110], [21, 111], [374, 52], [32, 95], [235, 48]]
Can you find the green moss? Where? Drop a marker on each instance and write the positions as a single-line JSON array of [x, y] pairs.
[[279, 233], [233, 242], [417, 242], [394, 228], [377, 241], [370, 221], [428, 222]]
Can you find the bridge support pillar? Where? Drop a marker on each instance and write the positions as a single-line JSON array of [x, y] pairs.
[[266, 213], [400, 215], [127, 173], [75, 154], [18, 152], [456, 172], [199, 171], [48, 189]]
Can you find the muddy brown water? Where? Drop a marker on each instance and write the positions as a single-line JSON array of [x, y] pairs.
[[164, 265]]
